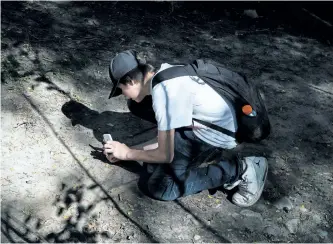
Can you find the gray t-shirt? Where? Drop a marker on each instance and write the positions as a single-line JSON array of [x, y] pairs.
[[176, 101]]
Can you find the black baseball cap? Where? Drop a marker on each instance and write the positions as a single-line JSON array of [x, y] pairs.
[[120, 65]]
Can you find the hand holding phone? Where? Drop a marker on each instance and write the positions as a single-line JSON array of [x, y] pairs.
[[107, 137]]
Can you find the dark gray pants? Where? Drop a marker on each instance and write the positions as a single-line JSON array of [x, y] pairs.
[[184, 176]]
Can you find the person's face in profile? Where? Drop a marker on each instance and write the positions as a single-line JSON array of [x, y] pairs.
[[132, 91]]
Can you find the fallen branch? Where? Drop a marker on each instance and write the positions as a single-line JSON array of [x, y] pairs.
[[241, 33], [49, 60], [321, 90], [316, 17], [19, 124]]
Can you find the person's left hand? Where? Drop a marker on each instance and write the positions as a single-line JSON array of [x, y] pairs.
[[118, 150]]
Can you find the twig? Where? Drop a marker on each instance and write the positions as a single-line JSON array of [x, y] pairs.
[[23, 123], [240, 33], [316, 17], [316, 88], [49, 60]]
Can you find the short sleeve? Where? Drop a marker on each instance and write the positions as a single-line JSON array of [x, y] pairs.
[[172, 105]]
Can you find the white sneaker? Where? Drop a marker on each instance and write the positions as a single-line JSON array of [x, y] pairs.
[[253, 181]]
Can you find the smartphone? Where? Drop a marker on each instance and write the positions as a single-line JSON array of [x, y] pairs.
[[107, 137]]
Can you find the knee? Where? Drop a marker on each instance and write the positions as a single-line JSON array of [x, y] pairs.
[[161, 191]]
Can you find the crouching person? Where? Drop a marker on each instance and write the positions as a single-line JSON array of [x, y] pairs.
[[181, 106]]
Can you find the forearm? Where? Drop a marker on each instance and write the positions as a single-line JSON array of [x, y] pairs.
[[149, 156], [149, 145]]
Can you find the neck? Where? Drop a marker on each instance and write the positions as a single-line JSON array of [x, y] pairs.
[[147, 83]]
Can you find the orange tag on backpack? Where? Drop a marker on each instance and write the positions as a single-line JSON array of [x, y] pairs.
[[247, 109]]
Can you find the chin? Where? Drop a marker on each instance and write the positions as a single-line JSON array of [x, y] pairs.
[[138, 99]]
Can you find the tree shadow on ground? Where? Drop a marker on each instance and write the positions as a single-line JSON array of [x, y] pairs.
[[16, 231], [75, 207], [78, 220]]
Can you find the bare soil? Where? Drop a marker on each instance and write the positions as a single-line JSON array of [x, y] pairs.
[[56, 188]]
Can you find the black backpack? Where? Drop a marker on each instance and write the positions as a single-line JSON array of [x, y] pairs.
[[233, 87]]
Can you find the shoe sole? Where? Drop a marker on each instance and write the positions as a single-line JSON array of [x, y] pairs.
[[258, 195]]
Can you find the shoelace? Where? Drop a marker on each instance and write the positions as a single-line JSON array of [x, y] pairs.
[[243, 189]]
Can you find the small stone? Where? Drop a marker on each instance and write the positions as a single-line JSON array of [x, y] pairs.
[[235, 215], [272, 230], [28, 182], [292, 225], [129, 237], [252, 13], [218, 205], [251, 214], [303, 209], [252, 220], [181, 236], [282, 203], [194, 221], [322, 234], [197, 237], [316, 219]]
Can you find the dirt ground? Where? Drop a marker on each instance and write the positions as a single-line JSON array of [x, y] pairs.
[[56, 188]]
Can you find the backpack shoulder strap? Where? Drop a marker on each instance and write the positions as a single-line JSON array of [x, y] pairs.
[[172, 72]]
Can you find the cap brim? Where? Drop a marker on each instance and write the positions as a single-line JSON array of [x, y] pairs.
[[116, 91]]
